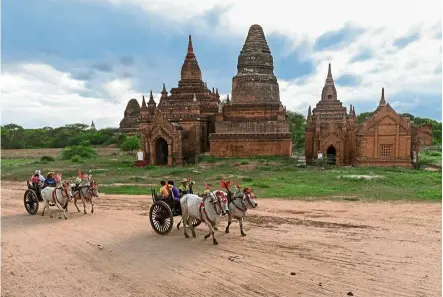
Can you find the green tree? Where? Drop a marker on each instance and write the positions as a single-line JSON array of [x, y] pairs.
[[130, 144], [297, 125]]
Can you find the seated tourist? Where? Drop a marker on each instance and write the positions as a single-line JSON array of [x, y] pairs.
[[175, 192], [164, 190], [37, 178], [50, 180]]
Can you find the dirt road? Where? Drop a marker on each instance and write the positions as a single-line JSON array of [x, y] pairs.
[[292, 248]]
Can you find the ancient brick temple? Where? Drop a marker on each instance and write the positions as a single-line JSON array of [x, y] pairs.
[[254, 121], [178, 128], [384, 139], [130, 122]]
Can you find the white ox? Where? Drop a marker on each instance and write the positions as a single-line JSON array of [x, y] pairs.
[[58, 195], [239, 203], [86, 192], [207, 209]]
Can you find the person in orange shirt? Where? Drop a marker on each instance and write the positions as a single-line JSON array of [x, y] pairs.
[[164, 190]]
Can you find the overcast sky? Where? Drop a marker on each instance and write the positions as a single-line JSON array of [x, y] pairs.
[[74, 61]]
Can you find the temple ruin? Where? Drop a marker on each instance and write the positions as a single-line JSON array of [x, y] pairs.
[[254, 121], [384, 139]]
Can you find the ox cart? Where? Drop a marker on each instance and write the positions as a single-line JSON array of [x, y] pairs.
[[162, 213], [32, 198]]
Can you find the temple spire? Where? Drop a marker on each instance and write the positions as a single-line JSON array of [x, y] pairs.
[[228, 100], [329, 77], [164, 92], [309, 110], [190, 55], [216, 92], [190, 69], [382, 99], [143, 101], [151, 98]]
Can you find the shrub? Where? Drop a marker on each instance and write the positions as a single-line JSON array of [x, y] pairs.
[[244, 162], [76, 159], [47, 159], [130, 144], [85, 143], [211, 159], [81, 151], [247, 179]]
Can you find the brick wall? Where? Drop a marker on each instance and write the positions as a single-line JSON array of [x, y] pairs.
[[254, 127], [251, 147]]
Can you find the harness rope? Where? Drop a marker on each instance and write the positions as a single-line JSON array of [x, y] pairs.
[[202, 209]]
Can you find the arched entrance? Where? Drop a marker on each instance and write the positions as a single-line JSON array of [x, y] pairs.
[[331, 155], [161, 152]]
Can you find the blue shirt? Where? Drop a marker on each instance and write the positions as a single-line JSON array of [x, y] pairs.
[[50, 181], [175, 193]]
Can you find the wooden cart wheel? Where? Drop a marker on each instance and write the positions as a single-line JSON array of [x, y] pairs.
[[30, 200], [161, 218]]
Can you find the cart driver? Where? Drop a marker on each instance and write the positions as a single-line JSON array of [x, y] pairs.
[[185, 188], [50, 180]]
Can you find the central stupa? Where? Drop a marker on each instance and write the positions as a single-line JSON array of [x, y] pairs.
[[255, 81], [254, 122]]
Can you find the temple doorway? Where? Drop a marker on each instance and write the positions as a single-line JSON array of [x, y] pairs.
[[161, 152], [331, 155]]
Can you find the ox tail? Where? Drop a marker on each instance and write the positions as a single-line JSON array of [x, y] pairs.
[[178, 225]]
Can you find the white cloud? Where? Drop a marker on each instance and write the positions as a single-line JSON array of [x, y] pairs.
[[410, 69], [39, 95]]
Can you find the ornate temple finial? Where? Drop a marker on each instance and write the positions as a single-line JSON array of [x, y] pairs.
[[143, 101], [309, 110], [228, 100], [190, 54], [329, 76], [213, 91], [350, 110], [382, 99], [216, 92], [206, 85], [164, 88]]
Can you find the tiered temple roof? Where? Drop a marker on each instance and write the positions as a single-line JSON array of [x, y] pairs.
[[329, 108], [255, 82], [192, 94]]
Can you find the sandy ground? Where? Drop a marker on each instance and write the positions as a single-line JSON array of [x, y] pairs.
[[292, 248]]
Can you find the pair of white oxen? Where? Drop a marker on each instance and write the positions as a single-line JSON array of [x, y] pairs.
[[215, 204], [65, 192]]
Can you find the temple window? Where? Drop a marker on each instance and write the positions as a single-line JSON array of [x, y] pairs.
[[329, 96], [385, 151]]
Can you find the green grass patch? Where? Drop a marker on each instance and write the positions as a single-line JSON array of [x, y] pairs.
[[271, 177]]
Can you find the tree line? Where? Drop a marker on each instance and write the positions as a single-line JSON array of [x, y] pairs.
[[16, 137]]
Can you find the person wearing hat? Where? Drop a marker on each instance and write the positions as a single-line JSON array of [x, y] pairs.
[[50, 180], [185, 188]]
